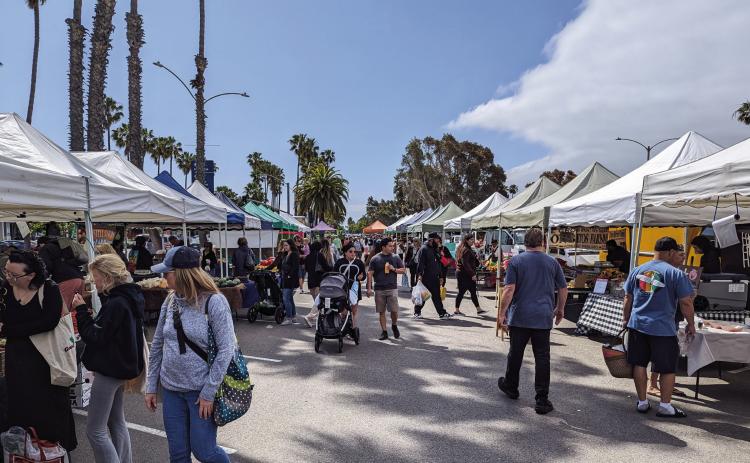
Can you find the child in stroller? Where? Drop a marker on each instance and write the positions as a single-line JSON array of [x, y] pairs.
[[269, 295], [335, 319]]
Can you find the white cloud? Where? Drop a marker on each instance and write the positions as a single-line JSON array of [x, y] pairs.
[[645, 70]]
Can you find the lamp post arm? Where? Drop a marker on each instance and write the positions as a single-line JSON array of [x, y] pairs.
[[634, 141], [158, 64], [228, 93], [667, 139]]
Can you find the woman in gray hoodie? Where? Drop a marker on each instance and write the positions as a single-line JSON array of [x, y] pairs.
[[177, 361]]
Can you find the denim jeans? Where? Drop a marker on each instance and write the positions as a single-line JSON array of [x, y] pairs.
[[287, 295], [187, 432]]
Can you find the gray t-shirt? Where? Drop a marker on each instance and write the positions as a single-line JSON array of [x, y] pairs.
[[537, 276], [377, 266]]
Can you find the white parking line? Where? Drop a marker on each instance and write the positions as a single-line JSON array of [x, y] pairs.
[[147, 430], [250, 357]]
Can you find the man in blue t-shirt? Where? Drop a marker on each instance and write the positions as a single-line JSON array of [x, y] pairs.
[[528, 307], [653, 292]]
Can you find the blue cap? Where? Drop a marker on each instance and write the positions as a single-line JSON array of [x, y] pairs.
[[178, 257]]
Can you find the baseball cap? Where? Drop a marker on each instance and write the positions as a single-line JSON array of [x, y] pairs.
[[178, 257], [666, 244]]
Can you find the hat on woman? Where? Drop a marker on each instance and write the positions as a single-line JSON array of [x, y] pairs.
[[178, 257]]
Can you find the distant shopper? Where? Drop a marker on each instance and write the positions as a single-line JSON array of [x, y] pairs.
[[140, 257], [188, 382], [528, 307], [710, 260], [411, 260], [114, 352], [63, 270], [652, 294], [429, 270], [209, 259], [354, 270], [288, 263], [384, 269], [243, 259], [304, 250], [466, 273], [618, 256]]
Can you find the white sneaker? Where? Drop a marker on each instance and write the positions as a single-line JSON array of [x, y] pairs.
[[294, 321], [286, 322]]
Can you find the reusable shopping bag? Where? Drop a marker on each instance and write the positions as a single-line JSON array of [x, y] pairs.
[[58, 347]]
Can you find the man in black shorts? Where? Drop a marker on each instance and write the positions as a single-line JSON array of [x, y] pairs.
[[653, 292]]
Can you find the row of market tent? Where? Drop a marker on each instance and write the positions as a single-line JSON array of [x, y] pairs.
[[691, 182], [43, 182]]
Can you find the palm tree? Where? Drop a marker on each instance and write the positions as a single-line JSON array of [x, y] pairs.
[[323, 192], [100, 46], [34, 5], [134, 22], [743, 113], [172, 148], [297, 143], [76, 37], [120, 134], [112, 115], [513, 189], [158, 151], [199, 84], [328, 156], [185, 163]]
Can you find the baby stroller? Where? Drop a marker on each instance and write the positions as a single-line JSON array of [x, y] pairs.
[[269, 293], [333, 302]]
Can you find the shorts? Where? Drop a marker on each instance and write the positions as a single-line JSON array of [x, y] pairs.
[[302, 272], [662, 351], [386, 299]]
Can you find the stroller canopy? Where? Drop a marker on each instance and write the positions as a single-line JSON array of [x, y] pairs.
[[334, 286]]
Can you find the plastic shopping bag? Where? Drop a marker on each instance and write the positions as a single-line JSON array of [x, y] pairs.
[[354, 293], [420, 294], [20, 446], [443, 293]]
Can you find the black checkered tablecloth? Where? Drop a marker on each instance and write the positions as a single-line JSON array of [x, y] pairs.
[[602, 313], [735, 316]]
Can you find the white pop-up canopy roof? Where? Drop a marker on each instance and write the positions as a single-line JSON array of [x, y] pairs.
[[495, 200], [198, 190], [185, 208], [413, 226], [293, 220], [414, 219], [591, 179], [537, 191], [392, 228], [40, 181], [616, 203], [688, 195]]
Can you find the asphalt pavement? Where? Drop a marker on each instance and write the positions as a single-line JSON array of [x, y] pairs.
[[432, 396]]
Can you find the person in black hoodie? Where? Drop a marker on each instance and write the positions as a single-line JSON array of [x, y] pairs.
[[288, 262], [62, 268], [243, 259], [429, 270], [114, 352]]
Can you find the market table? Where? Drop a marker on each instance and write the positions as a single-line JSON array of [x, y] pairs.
[[486, 279], [603, 313], [710, 345]]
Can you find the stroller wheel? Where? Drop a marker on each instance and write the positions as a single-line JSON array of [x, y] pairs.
[[318, 340], [341, 344], [252, 315], [356, 336], [279, 314]]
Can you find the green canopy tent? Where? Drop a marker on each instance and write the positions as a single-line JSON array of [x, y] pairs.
[[435, 222], [277, 222]]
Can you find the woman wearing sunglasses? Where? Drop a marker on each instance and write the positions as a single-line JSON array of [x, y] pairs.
[[32, 400]]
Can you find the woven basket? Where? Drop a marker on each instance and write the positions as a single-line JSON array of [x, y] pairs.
[[616, 360]]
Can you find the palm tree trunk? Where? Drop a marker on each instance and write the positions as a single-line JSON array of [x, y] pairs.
[[296, 185], [170, 165], [76, 36], [186, 181], [109, 138], [200, 104], [100, 45], [34, 61], [134, 147]]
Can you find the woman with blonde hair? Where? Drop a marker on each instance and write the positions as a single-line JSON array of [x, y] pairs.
[[114, 352], [179, 362]]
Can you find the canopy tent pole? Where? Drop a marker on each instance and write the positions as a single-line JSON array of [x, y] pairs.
[[184, 224], [221, 267], [226, 246], [549, 238], [636, 229], [95, 302], [260, 245]]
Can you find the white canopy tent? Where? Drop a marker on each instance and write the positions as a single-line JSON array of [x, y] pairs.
[[689, 195], [293, 220], [493, 201], [198, 190], [414, 226], [392, 228], [414, 219], [537, 191], [617, 203], [590, 179]]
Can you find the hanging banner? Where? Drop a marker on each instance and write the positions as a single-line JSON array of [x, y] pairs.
[[585, 237], [563, 237]]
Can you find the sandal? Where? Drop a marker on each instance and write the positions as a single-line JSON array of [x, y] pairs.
[[677, 413], [459, 314]]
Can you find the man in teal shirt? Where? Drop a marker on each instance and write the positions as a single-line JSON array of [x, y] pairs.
[[653, 292]]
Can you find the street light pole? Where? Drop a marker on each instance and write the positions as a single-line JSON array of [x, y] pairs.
[[647, 148], [199, 130]]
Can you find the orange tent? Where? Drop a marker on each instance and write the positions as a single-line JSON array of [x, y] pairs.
[[376, 227]]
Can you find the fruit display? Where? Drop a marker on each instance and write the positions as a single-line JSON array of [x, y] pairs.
[[612, 274], [152, 283], [265, 263], [227, 282]]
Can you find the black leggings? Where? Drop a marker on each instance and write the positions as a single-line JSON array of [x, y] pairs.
[[466, 283], [413, 275]]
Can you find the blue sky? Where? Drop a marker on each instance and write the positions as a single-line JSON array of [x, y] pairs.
[[362, 77]]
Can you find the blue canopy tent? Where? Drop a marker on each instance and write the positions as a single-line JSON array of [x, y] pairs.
[[264, 224]]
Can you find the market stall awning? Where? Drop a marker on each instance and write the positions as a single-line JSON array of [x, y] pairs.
[[375, 227], [40, 181], [323, 227], [616, 203], [590, 179], [234, 217], [293, 220], [203, 213], [434, 223], [464, 221], [393, 227], [287, 225], [688, 195], [264, 224], [265, 214], [537, 191]]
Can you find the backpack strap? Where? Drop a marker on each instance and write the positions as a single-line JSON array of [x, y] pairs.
[[183, 340]]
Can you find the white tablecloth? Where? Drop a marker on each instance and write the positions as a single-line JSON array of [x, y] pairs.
[[710, 345]]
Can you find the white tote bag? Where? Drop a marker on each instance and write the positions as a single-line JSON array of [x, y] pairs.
[[58, 347]]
